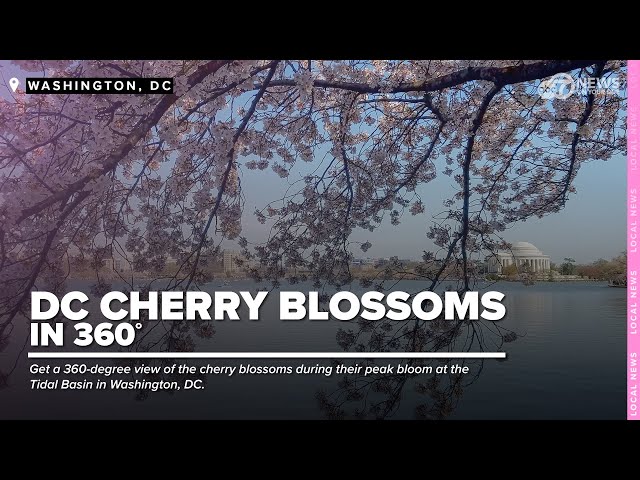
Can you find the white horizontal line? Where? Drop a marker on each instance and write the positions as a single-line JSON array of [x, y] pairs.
[[267, 355]]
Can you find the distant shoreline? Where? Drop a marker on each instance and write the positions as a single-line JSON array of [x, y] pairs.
[[556, 278]]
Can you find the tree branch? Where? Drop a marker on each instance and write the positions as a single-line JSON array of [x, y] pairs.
[[476, 122], [138, 133], [498, 75]]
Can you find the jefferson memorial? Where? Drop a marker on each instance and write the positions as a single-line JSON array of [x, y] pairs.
[[521, 254]]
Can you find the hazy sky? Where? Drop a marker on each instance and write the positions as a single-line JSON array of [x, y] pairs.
[[591, 226]]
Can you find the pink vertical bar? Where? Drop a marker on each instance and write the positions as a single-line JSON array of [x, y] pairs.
[[633, 257]]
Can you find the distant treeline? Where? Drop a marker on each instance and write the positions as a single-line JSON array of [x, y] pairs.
[[601, 269]]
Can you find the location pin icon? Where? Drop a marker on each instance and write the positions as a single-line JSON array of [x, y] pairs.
[[13, 83]]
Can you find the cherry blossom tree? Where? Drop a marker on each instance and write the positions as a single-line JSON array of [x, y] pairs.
[[84, 179]]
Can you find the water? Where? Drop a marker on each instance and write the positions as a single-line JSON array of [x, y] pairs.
[[568, 363]]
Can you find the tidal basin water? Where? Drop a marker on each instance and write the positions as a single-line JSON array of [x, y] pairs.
[[568, 363]]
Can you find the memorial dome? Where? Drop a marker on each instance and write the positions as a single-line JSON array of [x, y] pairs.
[[521, 254], [524, 249]]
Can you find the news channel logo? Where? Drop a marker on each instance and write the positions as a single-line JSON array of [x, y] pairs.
[[562, 85]]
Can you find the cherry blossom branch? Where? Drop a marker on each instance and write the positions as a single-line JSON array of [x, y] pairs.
[[475, 125], [498, 75], [576, 136], [138, 133], [561, 196], [225, 178], [41, 260]]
